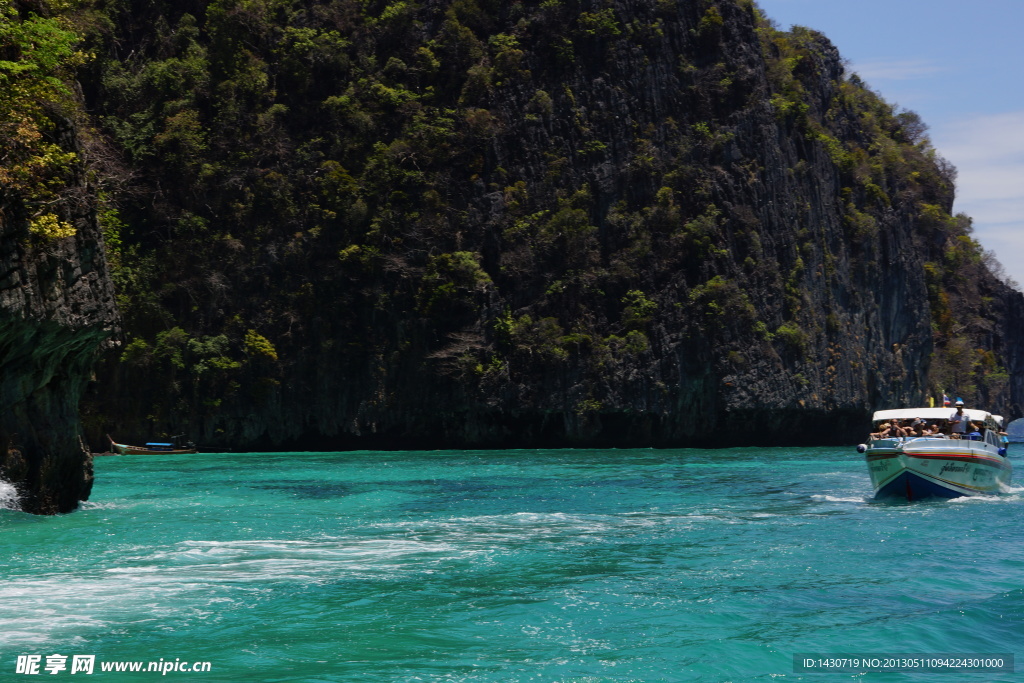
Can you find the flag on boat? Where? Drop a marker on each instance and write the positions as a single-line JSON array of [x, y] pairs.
[[945, 401]]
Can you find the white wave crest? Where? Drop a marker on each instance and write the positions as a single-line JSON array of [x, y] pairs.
[[987, 498], [106, 505], [8, 496], [836, 499]]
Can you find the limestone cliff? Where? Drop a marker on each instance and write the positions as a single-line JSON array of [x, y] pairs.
[[637, 222], [56, 310]]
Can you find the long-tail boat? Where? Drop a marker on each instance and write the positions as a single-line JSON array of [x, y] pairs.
[[151, 448]]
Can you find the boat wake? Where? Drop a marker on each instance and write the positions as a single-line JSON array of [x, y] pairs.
[[1010, 494], [838, 499]]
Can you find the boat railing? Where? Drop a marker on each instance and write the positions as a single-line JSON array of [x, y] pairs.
[[894, 440]]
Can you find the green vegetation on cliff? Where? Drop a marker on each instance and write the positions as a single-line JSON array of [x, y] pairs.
[[37, 60]]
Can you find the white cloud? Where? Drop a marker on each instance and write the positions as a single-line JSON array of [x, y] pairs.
[[894, 70], [988, 152]]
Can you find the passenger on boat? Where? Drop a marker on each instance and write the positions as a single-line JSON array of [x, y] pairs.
[[885, 431], [909, 428], [958, 421]]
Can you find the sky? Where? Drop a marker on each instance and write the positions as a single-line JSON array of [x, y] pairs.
[[960, 65]]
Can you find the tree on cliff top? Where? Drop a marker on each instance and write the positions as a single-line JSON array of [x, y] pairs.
[[37, 60]]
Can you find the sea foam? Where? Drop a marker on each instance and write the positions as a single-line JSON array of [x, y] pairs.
[[8, 496]]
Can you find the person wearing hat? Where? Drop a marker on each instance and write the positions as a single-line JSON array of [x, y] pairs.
[[958, 421]]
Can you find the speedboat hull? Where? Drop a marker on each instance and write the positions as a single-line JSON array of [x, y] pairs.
[[913, 469]]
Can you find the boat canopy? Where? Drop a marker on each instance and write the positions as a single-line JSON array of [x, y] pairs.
[[973, 414]]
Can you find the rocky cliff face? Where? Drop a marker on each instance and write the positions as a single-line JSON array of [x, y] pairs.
[[56, 310], [499, 224]]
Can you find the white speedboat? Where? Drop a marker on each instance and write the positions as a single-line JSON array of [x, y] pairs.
[[936, 465]]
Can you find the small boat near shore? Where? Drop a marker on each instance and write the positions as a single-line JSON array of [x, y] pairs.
[[920, 464], [151, 448]]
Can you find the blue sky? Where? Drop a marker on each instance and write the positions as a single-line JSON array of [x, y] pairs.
[[958, 64]]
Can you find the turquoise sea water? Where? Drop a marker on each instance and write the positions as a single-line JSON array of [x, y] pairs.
[[528, 565]]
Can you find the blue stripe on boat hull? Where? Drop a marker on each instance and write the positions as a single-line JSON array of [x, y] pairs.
[[909, 486]]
